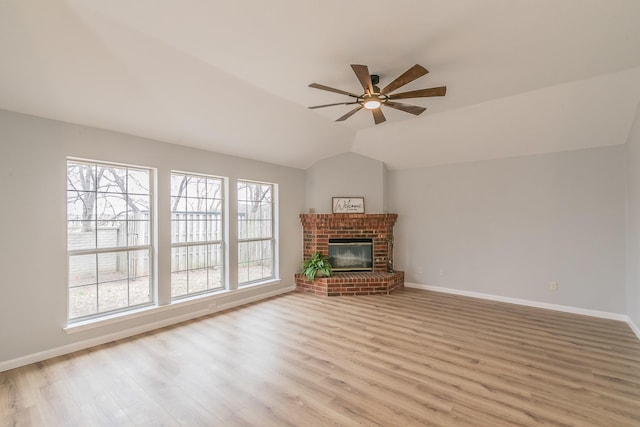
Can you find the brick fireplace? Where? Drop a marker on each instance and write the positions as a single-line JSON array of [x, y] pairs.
[[318, 229]]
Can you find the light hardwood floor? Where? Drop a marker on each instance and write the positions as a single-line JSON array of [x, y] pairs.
[[413, 358]]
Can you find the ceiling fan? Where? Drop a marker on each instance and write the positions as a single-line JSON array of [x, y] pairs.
[[373, 97]]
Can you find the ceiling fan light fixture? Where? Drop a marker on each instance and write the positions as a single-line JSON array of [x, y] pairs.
[[372, 104]]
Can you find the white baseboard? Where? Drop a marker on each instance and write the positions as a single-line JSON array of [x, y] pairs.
[[255, 298], [103, 339], [634, 328], [529, 303]]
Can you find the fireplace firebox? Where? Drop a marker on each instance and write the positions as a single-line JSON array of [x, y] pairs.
[[351, 254]]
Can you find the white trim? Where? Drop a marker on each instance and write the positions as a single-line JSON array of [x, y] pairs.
[[255, 298], [85, 325], [634, 328], [529, 303], [92, 342]]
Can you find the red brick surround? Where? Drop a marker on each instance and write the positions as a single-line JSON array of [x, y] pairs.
[[352, 283], [319, 228]]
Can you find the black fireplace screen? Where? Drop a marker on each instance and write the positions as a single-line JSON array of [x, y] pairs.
[[351, 254]]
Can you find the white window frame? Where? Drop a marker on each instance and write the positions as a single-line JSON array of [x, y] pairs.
[[272, 240], [188, 244], [113, 249]]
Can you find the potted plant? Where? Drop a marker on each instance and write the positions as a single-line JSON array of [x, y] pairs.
[[317, 264]]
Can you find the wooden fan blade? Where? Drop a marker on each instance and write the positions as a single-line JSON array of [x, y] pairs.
[[362, 73], [407, 77], [330, 89], [421, 93], [412, 109], [331, 105], [378, 117], [349, 114]]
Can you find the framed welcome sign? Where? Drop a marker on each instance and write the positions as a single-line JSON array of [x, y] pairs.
[[348, 204]]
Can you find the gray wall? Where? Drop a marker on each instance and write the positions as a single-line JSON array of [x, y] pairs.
[[633, 223], [509, 227], [346, 174], [504, 227], [33, 154]]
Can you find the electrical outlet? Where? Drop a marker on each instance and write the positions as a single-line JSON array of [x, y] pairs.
[[553, 286], [442, 272]]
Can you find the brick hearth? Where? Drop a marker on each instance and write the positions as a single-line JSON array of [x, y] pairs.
[[356, 283], [319, 228]]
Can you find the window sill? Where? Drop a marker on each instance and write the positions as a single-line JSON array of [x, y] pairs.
[[84, 325], [252, 285], [174, 305]]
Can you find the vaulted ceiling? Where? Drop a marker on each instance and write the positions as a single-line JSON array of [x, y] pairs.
[[523, 76]]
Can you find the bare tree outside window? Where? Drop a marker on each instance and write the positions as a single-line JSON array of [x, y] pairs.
[[255, 231], [197, 257], [108, 237]]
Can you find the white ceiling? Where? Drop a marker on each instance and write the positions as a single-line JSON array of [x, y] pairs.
[[523, 76]]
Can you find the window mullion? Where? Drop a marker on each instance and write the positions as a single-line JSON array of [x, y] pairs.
[[255, 239], [108, 250], [204, 242]]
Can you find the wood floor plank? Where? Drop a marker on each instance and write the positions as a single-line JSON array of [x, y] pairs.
[[412, 358]]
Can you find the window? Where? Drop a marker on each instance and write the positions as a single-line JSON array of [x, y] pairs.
[[256, 243], [197, 257], [108, 238]]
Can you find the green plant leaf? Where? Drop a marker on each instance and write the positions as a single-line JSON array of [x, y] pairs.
[[318, 263]]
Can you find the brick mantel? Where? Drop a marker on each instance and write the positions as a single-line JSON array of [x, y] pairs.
[[319, 228]]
